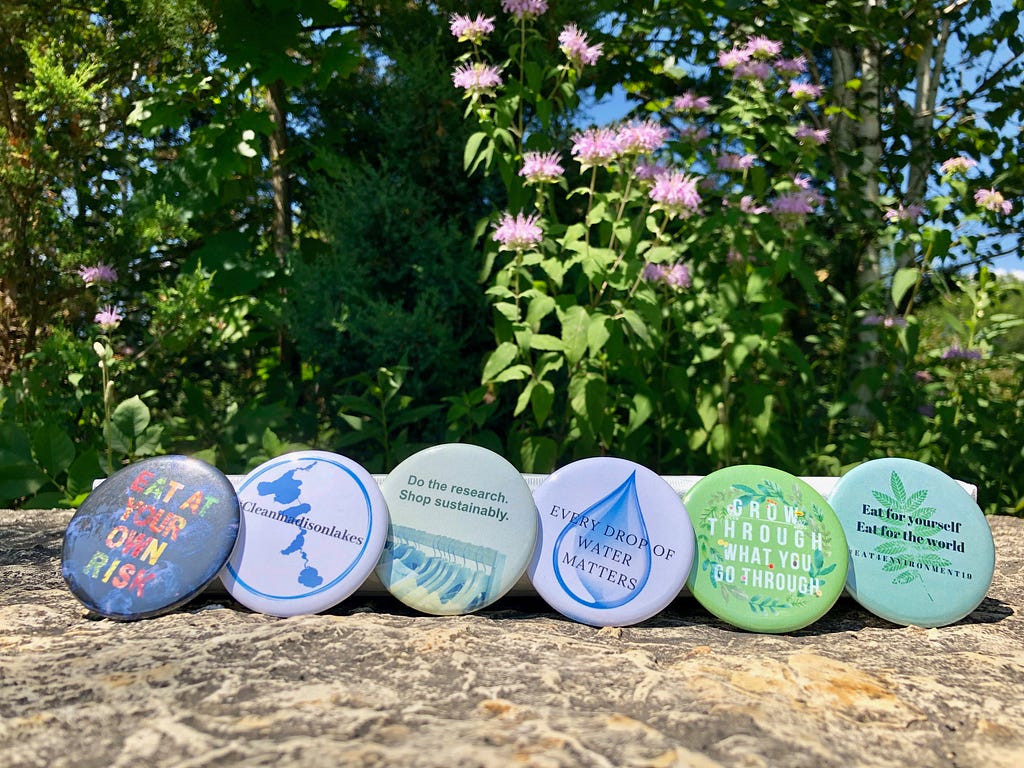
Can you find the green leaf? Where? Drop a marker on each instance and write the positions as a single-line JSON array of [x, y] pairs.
[[272, 445], [512, 373], [597, 334], [52, 448], [83, 471], [903, 281], [537, 454], [499, 360], [19, 480], [905, 578], [472, 147], [546, 342], [575, 322], [131, 417], [541, 400], [524, 397], [539, 308]]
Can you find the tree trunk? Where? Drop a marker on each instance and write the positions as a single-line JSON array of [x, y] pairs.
[[281, 227]]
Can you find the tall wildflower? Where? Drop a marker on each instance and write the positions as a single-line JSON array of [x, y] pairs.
[[676, 193], [991, 200], [524, 9], [577, 47], [541, 167], [517, 233], [108, 318], [476, 78], [472, 30], [641, 137], [958, 164], [595, 147], [101, 273]]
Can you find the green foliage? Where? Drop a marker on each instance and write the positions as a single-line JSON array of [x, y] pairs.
[[304, 261]]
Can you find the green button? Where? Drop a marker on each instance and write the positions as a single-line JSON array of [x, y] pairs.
[[771, 554]]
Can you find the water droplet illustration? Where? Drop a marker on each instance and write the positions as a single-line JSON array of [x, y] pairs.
[[602, 558]]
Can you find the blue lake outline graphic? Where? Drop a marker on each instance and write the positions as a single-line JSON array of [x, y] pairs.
[[355, 560]]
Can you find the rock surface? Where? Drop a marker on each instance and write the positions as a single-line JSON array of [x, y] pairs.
[[371, 683]]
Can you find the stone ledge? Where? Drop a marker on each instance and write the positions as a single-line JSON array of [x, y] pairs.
[[371, 683]]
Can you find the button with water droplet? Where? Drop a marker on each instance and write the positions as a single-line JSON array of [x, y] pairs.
[[771, 554], [616, 543], [921, 550]]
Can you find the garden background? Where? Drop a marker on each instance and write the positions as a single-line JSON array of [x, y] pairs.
[[230, 228]]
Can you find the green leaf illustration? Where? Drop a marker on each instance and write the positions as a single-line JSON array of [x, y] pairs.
[[893, 565], [885, 500], [936, 561], [891, 548], [925, 513], [916, 499], [898, 489], [905, 578]]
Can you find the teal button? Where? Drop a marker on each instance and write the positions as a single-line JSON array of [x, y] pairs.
[[921, 551]]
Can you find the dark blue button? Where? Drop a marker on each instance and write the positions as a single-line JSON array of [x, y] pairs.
[[150, 537]]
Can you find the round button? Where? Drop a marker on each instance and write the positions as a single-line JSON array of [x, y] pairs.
[[615, 545], [771, 554], [313, 527], [150, 537], [921, 550], [463, 528]]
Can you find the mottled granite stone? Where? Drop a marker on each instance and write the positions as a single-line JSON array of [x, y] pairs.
[[371, 683]]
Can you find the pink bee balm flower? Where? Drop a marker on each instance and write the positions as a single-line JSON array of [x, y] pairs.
[[760, 47], [959, 164], [676, 192], [108, 318], [752, 70], [749, 205], [641, 138], [676, 276], [541, 167], [101, 273], [577, 47], [476, 78], [992, 201], [595, 147], [473, 30], [694, 133], [791, 67], [690, 102], [646, 170], [804, 91], [653, 273], [517, 233], [808, 135], [802, 180], [901, 213], [796, 204], [732, 162], [524, 8], [732, 58]]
